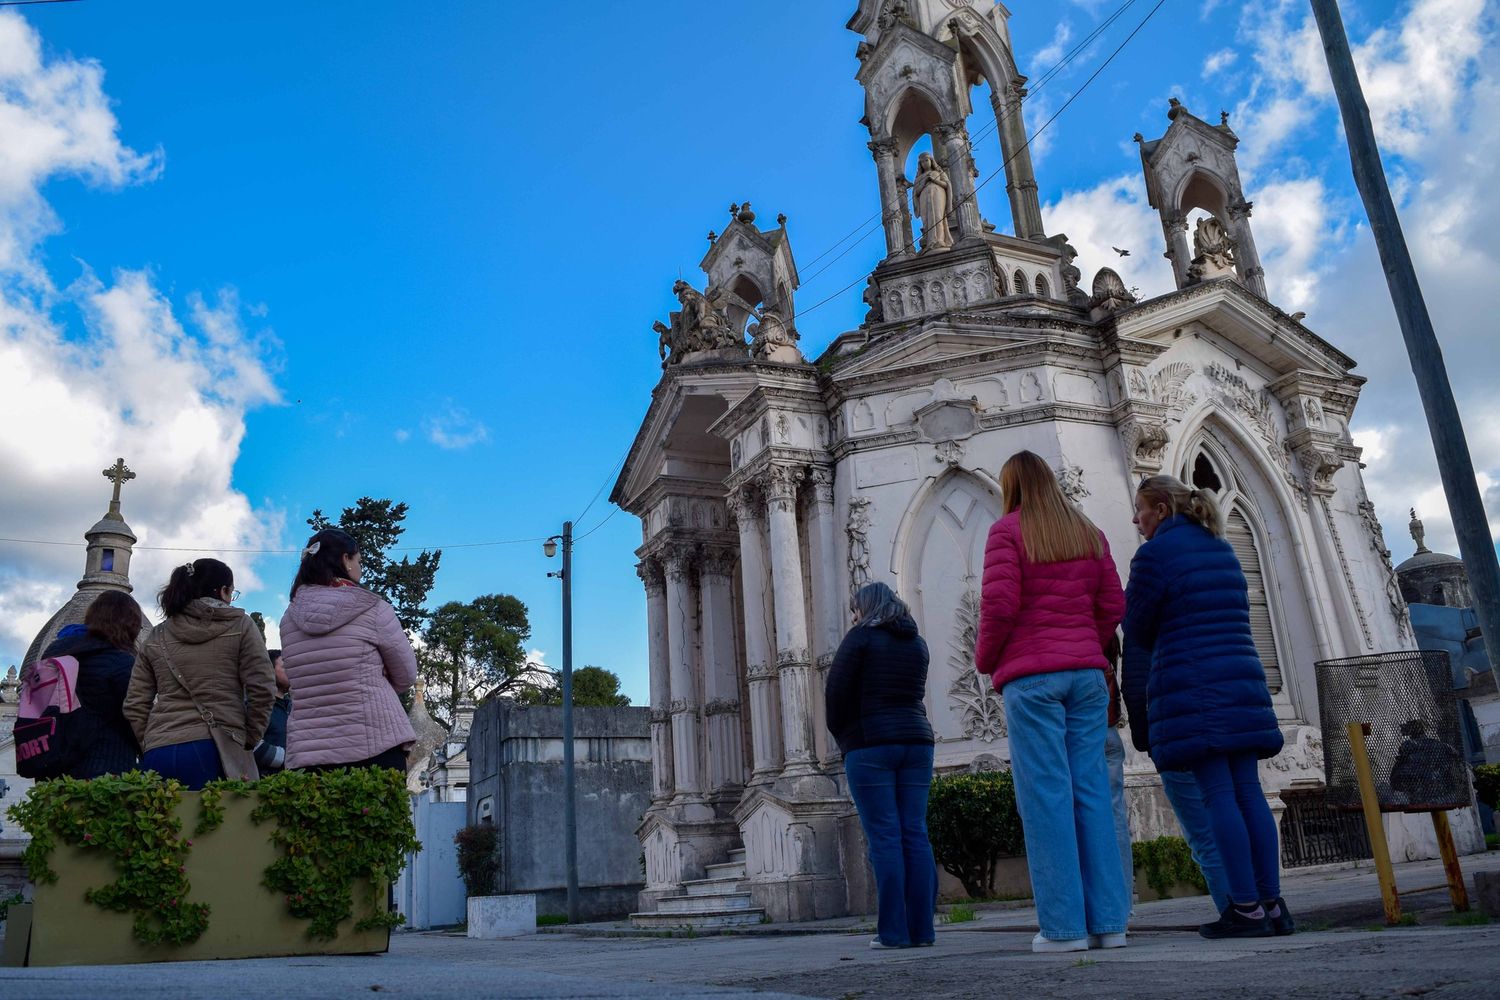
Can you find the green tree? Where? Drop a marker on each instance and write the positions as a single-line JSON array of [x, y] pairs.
[[376, 526], [592, 687], [474, 650]]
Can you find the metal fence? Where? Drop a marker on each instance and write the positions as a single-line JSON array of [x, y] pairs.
[[1414, 742], [1313, 834]]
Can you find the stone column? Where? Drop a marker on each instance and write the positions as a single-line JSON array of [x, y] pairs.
[[1174, 228], [760, 664], [721, 690], [1251, 273], [960, 164], [1020, 176], [652, 575], [687, 771], [827, 607], [891, 196], [792, 661]]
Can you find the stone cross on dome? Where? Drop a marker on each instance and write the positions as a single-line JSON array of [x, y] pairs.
[[118, 474]]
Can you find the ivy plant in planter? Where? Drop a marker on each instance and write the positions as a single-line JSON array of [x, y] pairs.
[[1167, 861], [1487, 784], [332, 828]]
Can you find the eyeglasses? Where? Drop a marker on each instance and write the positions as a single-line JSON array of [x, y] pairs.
[[234, 595]]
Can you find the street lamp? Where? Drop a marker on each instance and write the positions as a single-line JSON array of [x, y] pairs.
[[570, 815]]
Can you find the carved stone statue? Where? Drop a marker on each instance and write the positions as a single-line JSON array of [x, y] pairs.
[[871, 298], [700, 325], [1213, 250], [930, 193], [1418, 532], [859, 545]]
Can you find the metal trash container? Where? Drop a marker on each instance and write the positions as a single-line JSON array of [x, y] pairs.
[[1414, 742]]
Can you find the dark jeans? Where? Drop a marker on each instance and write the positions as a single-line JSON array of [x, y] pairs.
[[194, 764], [394, 758], [889, 786], [1244, 829]]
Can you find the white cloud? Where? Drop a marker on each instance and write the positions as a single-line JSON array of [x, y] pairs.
[[1051, 54], [1113, 214], [1219, 61], [132, 380], [402, 435], [455, 428]]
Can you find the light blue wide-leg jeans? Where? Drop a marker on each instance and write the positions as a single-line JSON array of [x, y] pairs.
[[1192, 815], [1057, 724], [1114, 756]]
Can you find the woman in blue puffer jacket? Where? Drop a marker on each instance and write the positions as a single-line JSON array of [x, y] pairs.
[[1208, 708]]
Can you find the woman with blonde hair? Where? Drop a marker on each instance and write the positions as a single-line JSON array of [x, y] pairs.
[[1050, 603], [1207, 707]]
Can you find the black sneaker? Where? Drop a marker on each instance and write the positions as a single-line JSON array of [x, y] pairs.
[[1234, 924], [1281, 920]]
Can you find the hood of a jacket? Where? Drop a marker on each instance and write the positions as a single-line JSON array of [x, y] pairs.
[[904, 627], [204, 620], [319, 610]]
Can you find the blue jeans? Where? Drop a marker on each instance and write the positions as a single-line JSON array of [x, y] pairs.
[[194, 764], [1192, 815], [1243, 825], [1114, 756], [1057, 732], [889, 786]]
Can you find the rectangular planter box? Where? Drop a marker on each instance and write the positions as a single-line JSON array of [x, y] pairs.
[[224, 868]]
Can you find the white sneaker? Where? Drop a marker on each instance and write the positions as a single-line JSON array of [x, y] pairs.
[[1107, 940], [1042, 944], [879, 945]]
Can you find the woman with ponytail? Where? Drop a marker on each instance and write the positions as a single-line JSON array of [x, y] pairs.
[[348, 659], [205, 666], [1206, 707], [1050, 603]]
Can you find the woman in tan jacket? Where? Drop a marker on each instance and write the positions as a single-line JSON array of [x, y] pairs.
[[215, 650]]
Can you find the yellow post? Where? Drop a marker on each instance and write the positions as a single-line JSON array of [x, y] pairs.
[[1371, 803], [1454, 873]]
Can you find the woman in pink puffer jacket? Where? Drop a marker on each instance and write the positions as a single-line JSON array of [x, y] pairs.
[[1051, 600], [348, 660]]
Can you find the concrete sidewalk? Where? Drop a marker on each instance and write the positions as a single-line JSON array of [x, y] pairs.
[[987, 957]]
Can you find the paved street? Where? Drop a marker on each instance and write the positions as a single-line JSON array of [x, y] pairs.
[[983, 958]]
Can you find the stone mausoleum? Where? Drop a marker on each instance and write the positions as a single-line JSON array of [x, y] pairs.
[[770, 485]]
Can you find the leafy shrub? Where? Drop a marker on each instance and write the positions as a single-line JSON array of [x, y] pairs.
[[1487, 784], [478, 861], [1167, 861], [973, 823]]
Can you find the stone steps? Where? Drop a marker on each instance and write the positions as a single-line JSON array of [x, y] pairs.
[[704, 904], [704, 920], [721, 899]]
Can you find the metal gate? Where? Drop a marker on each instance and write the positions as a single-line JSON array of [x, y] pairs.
[[1313, 834]]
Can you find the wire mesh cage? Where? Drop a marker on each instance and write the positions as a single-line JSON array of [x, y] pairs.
[[1414, 740]]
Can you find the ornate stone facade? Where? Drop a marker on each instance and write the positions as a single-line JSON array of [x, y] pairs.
[[879, 462]]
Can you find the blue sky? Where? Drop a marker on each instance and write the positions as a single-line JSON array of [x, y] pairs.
[[415, 251]]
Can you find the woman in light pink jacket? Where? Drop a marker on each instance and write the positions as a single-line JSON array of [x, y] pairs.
[[348, 660]]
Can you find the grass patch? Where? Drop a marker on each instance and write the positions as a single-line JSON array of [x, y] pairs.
[[1373, 927], [1471, 919], [960, 913], [1084, 963], [1407, 920], [1313, 926], [551, 919], [1492, 841]]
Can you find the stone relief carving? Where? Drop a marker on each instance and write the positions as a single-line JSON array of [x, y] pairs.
[[1145, 443], [782, 487], [772, 340], [1376, 534], [1338, 548], [1303, 752], [1031, 388], [1138, 387], [1070, 481], [980, 711], [1313, 412], [783, 428], [1110, 294], [858, 530], [1169, 386], [1255, 405], [949, 453], [876, 313], [864, 416], [722, 706]]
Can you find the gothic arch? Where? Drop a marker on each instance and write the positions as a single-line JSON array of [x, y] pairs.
[[1202, 189]]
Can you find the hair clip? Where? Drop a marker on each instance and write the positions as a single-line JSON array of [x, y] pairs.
[[189, 567], [312, 549]]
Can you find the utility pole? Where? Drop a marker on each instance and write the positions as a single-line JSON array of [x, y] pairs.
[[570, 797], [1455, 466]]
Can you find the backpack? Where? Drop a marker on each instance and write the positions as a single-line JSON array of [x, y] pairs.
[[49, 731]]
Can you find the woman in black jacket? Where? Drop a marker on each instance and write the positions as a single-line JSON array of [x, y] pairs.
[[875, 711], [104, 647]]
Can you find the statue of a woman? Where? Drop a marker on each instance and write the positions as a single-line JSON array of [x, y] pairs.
[[930, 192]]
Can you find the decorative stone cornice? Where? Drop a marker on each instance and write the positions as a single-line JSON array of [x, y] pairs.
[[722, 706], [782, 486], [717, 562], [652, 576], [792, 658], [760, 672], [682, 706]]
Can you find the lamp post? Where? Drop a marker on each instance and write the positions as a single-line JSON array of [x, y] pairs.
[[570, 815]]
